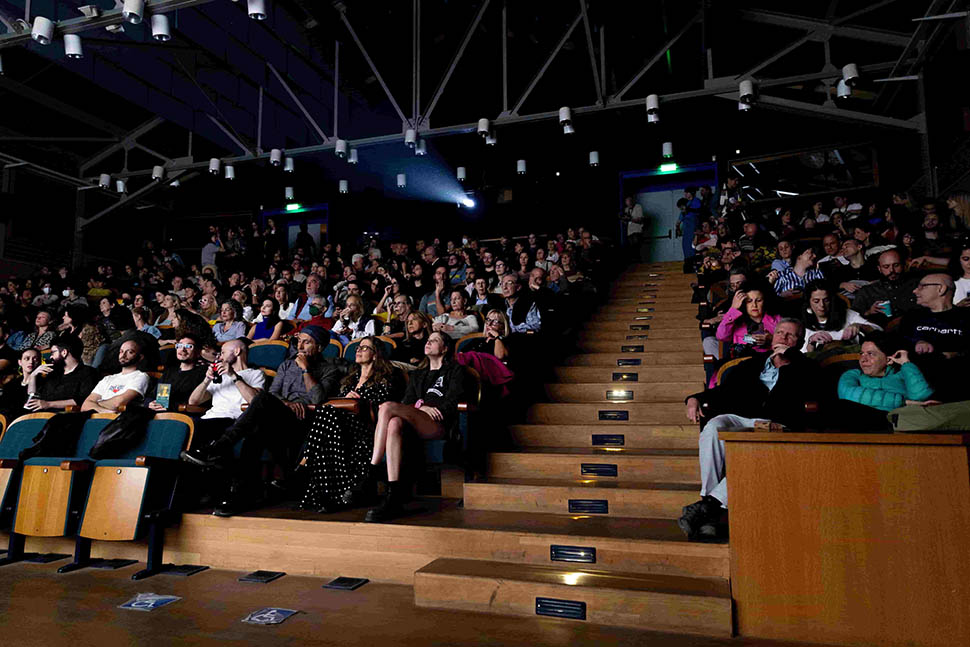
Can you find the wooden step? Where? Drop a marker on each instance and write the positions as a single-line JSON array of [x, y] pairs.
[[630, 436], [636, 374], [682, 317], [623, 392], [635, 336], [656, 602], [564, 463], [648, 306], [550, 496], [646, 326], [659, 300], [645, 346], [633, 361], [571, 413]]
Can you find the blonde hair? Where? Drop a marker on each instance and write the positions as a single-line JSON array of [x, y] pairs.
[[505, 320], [960, 218], [420, 315]]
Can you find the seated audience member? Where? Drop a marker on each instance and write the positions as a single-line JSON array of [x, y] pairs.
[[65, 381], [882, 383], [429, 409], [520, 307], [340, 443], [938, 331], [458, 322], [782, 262], [960, 271], [140, 317], [803, 271], [429, 302], [14, 400], [750, 322], [854, 273], [711, 316], [122, 388], [481, 298], [318, 312], [410, 350], [831, 247], [9, 357], [827, 319], [230, 326], [181, 379], [282, 296], [43, 333], [753, 237], [301, 310], [400, 308], [208, 307], [890, 296], [495, 333], [774, 389], [268, 324], [170, 302], [353, 322]]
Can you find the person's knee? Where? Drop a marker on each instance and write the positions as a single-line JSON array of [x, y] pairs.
[[395, 426]]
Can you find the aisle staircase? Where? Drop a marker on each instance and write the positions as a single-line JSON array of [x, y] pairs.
[[610, 450]]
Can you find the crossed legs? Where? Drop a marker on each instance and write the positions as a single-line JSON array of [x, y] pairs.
[[392, 420]]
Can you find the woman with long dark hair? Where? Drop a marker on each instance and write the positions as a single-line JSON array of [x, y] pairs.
[[339, 444], [827, 318], [750, 321], [269, 326]]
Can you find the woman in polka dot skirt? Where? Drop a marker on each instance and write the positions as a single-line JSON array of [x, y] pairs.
[[340, 443]]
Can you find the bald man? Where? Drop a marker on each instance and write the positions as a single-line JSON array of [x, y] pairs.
[[122, 388]]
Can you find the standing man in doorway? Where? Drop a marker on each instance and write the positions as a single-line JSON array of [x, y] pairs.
[[687, 224], [633, 217]]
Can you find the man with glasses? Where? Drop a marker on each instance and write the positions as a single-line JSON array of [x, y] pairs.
[[179, 380], [400, 309]]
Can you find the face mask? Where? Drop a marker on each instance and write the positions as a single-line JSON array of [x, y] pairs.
[[46, 290], [315, 310], [65, 293]]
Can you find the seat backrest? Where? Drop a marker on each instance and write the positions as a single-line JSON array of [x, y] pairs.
[[727, 367], [166, 353], [166, 436], [465, 341], [267, 354], [20, 434], [90, 432], [333, 349], [473, 387]]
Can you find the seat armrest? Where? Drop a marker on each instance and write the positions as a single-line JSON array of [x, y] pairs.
[[192, 408], [347, 404], [156, 461], [76, 466], [709, 359], [811, 407], [8, 463], [466, 407]]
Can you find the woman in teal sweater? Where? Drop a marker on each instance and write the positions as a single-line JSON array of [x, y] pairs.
[[884, 382]]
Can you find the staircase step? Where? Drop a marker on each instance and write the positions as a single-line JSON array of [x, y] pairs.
[[632, 361], [649, 305], [676, 324], [571, 413], [630, 436], [623, 392], [644, 346], [677, 318], [690, 333], [635, 374], [555, 496], [656, 602], [635, 465]]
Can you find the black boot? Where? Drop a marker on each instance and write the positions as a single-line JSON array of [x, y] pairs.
[[216, 452], [700, 519], [392, 506], [365, 492]]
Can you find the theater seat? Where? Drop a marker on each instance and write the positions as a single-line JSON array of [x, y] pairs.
[[333, 349], [465, 341], [461, 448], [13, 440], [267, 354]]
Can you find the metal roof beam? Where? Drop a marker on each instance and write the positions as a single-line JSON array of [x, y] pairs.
[[545, 66], [57, 105], [127, 140], [657, 56], [825, 28], [788, 105]]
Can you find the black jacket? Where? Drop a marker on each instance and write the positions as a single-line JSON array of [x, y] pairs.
[[441, 388]]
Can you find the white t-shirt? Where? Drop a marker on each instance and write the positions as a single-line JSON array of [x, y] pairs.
[[962, 290], [851, 318], [635, 225], [227, 401], [118, 383]]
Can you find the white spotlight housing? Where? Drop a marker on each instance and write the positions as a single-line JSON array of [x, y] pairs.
[[344, 186], [483, 127], [276, 157], [43, 30], [746, 91], [158, 172], [568, 129], [565, 116], [90, 10], [410, 138], [160, 29], [120, 186], [104, 181], [668, 149], [230, 172], [257, 9], [402, 180], [288, 193], [214, 165], [340, 149], [520, 167], [288, 165], [850, 74], [491, 139], [72, 46], [842, 90], [461, 173], [421, 149], [133, 11], [352, 156], [175, 184], [594, 158], [653, 104], [744, 107]]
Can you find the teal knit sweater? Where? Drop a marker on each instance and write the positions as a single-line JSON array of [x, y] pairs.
[[887, 392]]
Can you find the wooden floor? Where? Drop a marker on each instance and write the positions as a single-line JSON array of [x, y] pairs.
[[37, 606]]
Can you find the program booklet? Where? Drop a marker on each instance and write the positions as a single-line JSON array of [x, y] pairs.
[[163, 393]]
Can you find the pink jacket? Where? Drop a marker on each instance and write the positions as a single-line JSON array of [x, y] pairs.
[[731, 331]]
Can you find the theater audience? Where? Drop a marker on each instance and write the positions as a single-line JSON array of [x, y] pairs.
[[179, 380], [127, 386], [886, 379], [410, 350], [750, 329], [803, 271], [64, 381], [891, 295], [457, 322], [19, 394], [827, 318], [268, 324], [353, 322], [230, 325]]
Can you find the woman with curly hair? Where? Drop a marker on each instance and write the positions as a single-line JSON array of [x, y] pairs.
[[340, 443], [230, 325]]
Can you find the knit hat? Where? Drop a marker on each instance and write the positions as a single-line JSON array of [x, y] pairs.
[[319, 334]]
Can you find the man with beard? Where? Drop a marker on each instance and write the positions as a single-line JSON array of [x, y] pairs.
[[122, 388], [182, 378], [892, 295], [65, 381]]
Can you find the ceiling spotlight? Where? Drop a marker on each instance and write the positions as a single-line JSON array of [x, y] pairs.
[[276, 157], [158, 172], [115, 28], [72, 46], [120, 186], [133, 11], [566, 120], [104, 181], [594, 158], [410, 138], [462, 174], [737, 151], [160, 28], [90, 10], [340, 149], [842, 90], [288, 193], [344, 186], [402, 180], [43, 30], [257, 9], [288, 166], [558, 173], [520, 167], [483, 127], [175, 184], [230, 172], [653, 109], [850, 74], [744, 107], [214, 165], [491, 139], [668, 150], [467, 202], [352, 156], [746, 91], [421, 149], [568, 129]]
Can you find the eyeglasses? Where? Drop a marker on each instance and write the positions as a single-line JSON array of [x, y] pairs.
[[184, 346], [361, 349], [920, 286], [493, 321]]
